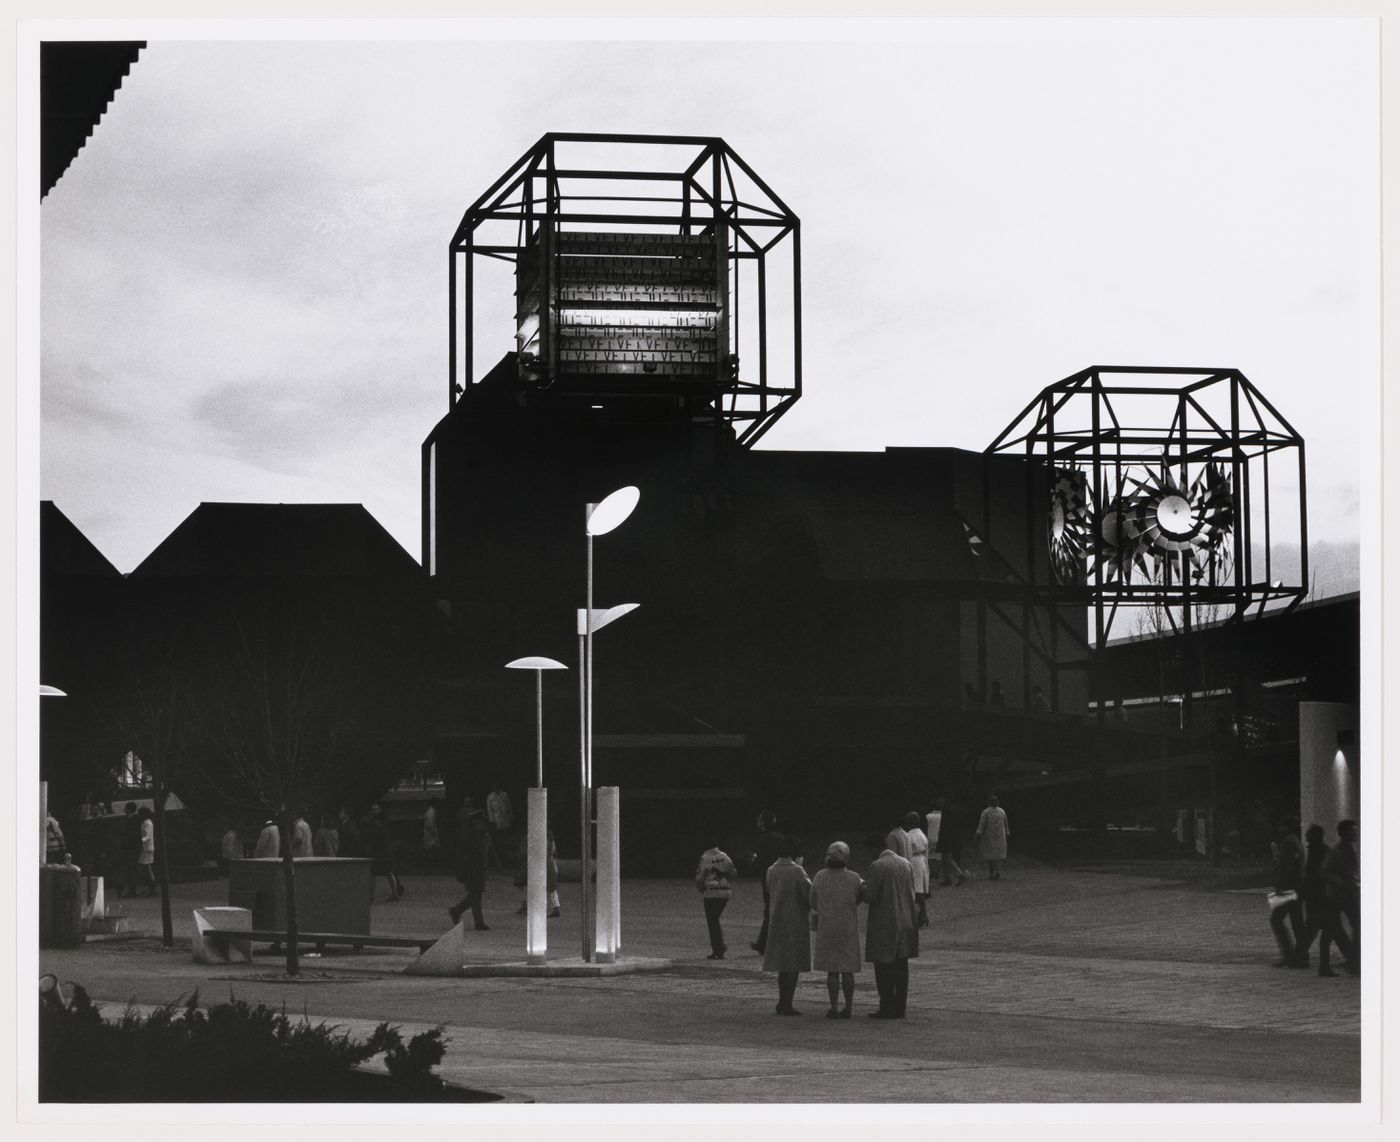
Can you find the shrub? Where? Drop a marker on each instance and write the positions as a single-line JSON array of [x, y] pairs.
[[231, 1052]]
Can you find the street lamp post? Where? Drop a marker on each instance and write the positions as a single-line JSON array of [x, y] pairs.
[[537, 825], [45, 691], [599, 519]]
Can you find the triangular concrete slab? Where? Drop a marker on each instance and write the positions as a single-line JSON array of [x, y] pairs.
[[446, 957]]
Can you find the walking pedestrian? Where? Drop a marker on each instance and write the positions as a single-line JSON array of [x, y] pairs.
[[432, 837], [472, 843], [836, 922], [145, 863], [1320, 924], [767, 848], [1341, 876], [302, 842], [326, 842], [54, 844], [949, 843], [712, 880], [230, 848], [551, 876], [349, 834], [1286, 908], [789, 946], [269, 841], [891, 932], [991, 835], [918, 862], [381, 852], [897, 840], [501, 819]]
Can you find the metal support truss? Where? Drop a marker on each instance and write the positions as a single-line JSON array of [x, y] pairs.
[[643, 268], [1165, 488]]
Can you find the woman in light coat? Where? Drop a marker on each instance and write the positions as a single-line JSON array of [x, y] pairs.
[[918, 861], [146, 861], [836, 921], [991, 836], [789, 948]]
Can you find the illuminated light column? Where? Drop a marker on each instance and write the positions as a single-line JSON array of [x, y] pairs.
[[537, 825], [536, 883], [609, 881], [1341, 786], [589, 621], [617, 871]]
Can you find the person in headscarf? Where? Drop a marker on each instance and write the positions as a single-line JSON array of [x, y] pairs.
[[836, 922]]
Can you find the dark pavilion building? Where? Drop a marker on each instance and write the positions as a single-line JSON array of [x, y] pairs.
[[840, 637]]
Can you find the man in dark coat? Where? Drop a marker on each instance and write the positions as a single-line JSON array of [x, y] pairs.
[[1341, 877], [767, 848], [891, 930], [471, 845]]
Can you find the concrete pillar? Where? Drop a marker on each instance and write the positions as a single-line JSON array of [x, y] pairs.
[[608, 915], [536, 879], [1329, 764]]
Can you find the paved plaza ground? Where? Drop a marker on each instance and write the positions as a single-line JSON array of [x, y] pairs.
[[1047, 986]]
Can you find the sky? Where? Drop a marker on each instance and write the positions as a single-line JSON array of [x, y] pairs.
[[243, 280]]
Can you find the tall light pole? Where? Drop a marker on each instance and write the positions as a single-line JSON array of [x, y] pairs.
[[599, 519], [537, 825], [539, 666]]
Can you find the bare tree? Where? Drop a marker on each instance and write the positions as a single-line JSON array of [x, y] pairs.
[[149, 710], [1190, 666], [274, 719]]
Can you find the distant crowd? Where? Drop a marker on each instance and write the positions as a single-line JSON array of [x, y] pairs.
[[809, 922]]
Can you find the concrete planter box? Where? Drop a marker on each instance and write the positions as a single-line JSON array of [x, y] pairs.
[[333, 893]]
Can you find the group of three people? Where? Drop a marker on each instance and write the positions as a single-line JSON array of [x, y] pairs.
[[814, 923]]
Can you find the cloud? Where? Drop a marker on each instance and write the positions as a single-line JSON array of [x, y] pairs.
[[244, 275]]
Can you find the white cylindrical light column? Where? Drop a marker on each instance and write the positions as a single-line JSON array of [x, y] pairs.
[[617, 875], [605, 949], [536, 881], [537, 830]]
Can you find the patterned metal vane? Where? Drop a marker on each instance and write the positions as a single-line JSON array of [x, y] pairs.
[[1162, 526]]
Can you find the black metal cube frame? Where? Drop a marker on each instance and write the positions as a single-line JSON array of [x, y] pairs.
[[542, 216], [1215, 418]]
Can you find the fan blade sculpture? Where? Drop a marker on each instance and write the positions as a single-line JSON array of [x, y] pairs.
[[1165, 529], [1070, 527]]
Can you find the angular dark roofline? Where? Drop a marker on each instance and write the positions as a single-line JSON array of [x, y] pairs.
[[213, 508]]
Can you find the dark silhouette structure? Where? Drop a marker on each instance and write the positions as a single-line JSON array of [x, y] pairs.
[[77, 81], [295, 645], [828, 633], [803, 614]]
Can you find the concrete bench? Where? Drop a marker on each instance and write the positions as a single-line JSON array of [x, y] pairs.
[[356, 940]]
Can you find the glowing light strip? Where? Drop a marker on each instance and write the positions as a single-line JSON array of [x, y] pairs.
[[661, 318]]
